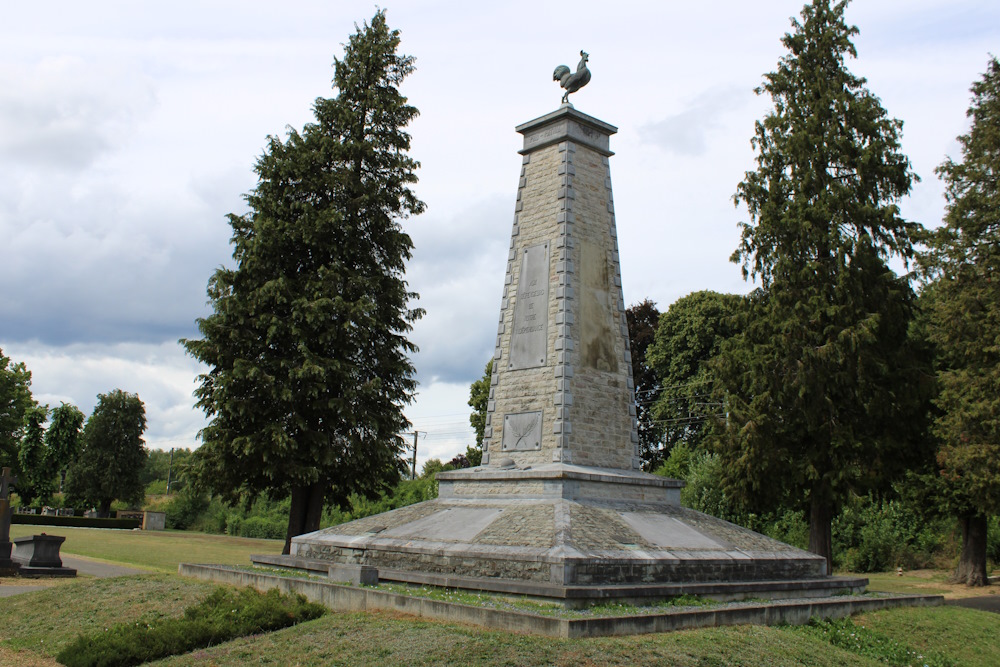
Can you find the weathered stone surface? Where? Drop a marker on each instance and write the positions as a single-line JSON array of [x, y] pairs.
[[573, 510]]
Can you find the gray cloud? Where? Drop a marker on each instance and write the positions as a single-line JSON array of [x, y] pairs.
[[458, 268], [686, 133]]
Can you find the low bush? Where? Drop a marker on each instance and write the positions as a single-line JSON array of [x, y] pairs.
[[74, 521], [877, 535], [225, 614]]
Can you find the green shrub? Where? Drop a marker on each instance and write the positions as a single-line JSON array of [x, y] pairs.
[[993, 539], [184, 509], [877, 535], [74, 521], [223, 615], [264, 528]]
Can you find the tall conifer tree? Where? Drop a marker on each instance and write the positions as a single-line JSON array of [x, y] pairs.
[[964, 321], [307, 349], [822, 387]]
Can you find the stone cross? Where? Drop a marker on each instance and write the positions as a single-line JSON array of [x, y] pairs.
[[5, 481]]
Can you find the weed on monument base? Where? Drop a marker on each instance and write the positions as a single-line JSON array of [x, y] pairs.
[[224, 615]]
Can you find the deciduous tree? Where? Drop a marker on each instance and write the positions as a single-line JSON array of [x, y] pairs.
[[308, 357], [479, 398], [689, 336], [110, 464], [963, 260], [15, 401], [642, 319], [824, 390], [36, 481], [62, 438]]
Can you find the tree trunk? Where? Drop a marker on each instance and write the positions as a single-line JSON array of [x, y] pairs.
[[296, 516], [820, 533], [104, 510], [971, 569], [314, 510], [305, 513]]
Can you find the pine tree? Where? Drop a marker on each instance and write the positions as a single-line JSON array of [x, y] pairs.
[[307, 348], [963, 261], [823, 387]]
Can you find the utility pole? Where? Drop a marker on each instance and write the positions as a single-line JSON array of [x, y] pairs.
[[413, 465], [170, 466]]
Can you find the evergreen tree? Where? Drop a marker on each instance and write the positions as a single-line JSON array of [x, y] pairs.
[[690, 334], [62, 438], [963, 260], [823, 388], [307, 348], [642, 319], [114, 454]]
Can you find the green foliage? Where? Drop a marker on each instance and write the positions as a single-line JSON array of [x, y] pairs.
[[846, 634], [689, 335], [642, 319], [873, 535], [223, 615], [963, 303], [73, 521], [185, 508], [63, 438], [306, 347], [162, 464], [37, 480], [825, 391], [15, 401], [479, 396], [113, 456]]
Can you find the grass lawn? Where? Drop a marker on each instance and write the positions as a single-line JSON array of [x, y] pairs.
[[34, 626], [159, 550]]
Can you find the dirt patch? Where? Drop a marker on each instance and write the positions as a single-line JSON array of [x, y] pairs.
[[11, 658], [931, 582]]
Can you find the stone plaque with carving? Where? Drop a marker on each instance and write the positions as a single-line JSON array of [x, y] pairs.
[[522, 431], [529, 338]]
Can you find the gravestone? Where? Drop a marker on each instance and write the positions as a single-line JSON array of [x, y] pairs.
[[8, 566], [560, 507]]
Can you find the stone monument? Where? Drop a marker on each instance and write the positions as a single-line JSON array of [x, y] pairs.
[[8, 566], [560, 508]]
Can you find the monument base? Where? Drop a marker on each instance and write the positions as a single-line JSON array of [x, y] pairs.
[[565, 532]]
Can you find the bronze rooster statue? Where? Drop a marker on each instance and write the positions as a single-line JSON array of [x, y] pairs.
[[573, 81]]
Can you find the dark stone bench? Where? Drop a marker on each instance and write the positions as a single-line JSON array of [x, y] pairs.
[[38, 555]]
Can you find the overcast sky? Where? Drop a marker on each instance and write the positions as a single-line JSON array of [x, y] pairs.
[[128, 130]]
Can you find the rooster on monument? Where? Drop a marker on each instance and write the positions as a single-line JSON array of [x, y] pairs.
[[573, 81]]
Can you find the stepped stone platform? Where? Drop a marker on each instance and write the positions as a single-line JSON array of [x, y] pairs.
[[571, 533], [561, 508]]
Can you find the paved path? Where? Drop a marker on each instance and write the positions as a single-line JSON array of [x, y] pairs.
[[82, 566], [982, 603]]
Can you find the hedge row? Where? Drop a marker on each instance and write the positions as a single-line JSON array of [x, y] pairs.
[[74, 521]]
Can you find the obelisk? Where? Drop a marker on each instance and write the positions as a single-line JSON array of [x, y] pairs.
[[561, 389], [560, 508]]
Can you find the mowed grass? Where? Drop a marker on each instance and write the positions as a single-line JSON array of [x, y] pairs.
[[154, 550], [35, 626]]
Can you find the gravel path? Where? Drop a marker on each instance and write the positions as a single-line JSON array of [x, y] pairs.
[[82, 566]]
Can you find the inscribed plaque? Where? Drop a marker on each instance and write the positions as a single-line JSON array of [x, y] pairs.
[[528, 340], [522, 431]]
